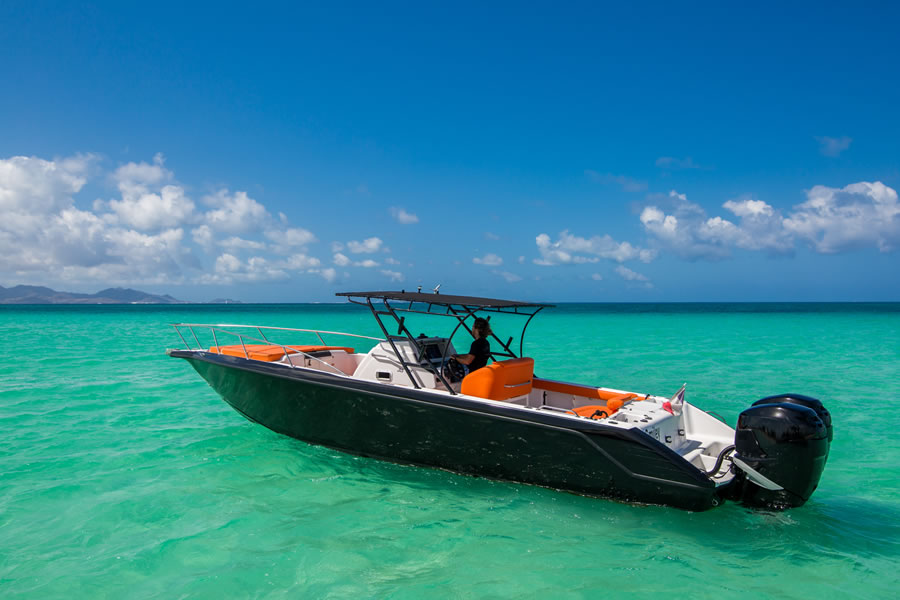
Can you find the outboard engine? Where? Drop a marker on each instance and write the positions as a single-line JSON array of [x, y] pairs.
[[802, 400], [781, 445]]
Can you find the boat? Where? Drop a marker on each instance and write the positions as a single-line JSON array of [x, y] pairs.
[[402, 400]]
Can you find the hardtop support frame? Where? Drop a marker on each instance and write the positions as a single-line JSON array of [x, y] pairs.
[[459, 307]]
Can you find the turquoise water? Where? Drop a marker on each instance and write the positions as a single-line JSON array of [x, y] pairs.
[[123, 475]]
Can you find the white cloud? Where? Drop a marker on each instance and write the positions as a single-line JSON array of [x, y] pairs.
[[234, 213], [836, 219], [30, 185], [146, 204], [44, 235], [203, 236], [831, 220], [136, 238], [301, 262], [627, 183], [597, 277], [570, 249], [833, 147], [509, 277], [367, 246], [491, 236], [328, 274], [142, 173], [368, 263], [749, 208], [629, 275], [230, 269], [392, 275], [236, 243], [489, 259], [341, 260], [290, 237], [391, 261], [691, 234], [403, 217]]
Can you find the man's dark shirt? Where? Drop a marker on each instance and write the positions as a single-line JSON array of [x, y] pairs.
[[481, 351]]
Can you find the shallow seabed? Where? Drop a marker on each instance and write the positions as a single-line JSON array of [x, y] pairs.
[[123, 475]]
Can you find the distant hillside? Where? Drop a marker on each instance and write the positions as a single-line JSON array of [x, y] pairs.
[[33, 294]]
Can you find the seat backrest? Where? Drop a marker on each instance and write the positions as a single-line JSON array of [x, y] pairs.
[[501, 380]]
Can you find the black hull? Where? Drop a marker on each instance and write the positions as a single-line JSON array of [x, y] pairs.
[[453, 433]]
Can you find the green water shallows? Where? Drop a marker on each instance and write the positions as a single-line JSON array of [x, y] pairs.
[[123, 475]]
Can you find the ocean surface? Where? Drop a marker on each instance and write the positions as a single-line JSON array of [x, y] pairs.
[[123, 475]]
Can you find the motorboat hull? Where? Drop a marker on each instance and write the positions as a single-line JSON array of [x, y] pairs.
[[491, 440]]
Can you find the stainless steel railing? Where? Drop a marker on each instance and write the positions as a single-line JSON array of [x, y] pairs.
[[226, 329]]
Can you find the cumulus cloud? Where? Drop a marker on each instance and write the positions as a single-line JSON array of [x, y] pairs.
[[571, 249], [301, 262], [836, 219], [403, 217], [146, 204], [203, 236], [629, 275], [392, 275], [142, 173], [34, 186], [230, 269], [43, 233], [626, 183], [341, 260], [489, 259], [690, 233], [831, 220], [833, 147], [236, 243], [509, 277], [140, 236], [367, 246], [146, 210], [367, 264], [234, 213], [328, 274], [290, 237]]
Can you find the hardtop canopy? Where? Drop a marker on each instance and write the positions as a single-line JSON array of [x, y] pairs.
[[471, 302]]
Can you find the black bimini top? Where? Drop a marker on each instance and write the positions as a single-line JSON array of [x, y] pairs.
[[444, 300]]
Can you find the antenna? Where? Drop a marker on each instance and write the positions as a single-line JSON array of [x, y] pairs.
[[419, 291], [436, 289]]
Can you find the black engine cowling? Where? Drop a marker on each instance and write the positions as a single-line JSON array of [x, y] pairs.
[[806, 401], [781, 445]]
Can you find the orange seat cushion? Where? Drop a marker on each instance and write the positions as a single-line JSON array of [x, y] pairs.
[[594, 411], [585, 391], [269, 352], [501, 380]]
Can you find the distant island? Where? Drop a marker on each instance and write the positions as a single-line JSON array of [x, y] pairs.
[[33, 294]]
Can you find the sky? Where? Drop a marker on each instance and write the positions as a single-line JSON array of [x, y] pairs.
[[631, 152]]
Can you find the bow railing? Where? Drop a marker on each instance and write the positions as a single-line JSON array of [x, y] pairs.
[[254, 334]]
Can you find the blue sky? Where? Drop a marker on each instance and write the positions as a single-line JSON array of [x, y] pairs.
[[649, 152]]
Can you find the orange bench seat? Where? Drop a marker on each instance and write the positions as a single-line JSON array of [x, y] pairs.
[[271, 352]]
